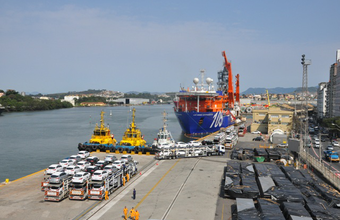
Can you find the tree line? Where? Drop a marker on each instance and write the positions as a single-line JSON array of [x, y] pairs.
[[14, 102]]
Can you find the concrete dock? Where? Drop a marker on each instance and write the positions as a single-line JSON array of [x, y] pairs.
[[167, 189]]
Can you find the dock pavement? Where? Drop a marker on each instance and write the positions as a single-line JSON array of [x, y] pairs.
[[187, 188]]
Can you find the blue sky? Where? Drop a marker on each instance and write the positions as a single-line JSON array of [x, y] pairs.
[[156, 46]]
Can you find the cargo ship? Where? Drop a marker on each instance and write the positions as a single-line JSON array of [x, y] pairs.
[[202, 109]]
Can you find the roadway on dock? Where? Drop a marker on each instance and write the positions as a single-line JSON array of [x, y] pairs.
[[168, 189]]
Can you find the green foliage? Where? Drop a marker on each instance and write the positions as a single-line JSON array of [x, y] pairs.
[[147, 96], [90, 99], [16, 102]]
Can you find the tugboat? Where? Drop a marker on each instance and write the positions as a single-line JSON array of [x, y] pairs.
[[101, 138], [132, 138], [164, 137]]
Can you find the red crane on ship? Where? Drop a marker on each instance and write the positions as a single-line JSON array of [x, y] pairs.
[[227, 65], [237, 93]]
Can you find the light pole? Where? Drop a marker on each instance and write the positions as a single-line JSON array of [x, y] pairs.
[[305, 64]]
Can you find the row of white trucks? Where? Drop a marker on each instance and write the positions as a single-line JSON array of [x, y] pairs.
[[217, 146], [89, 189]]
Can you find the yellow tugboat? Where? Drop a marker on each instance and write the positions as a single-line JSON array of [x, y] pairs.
[[133, 136], [101, 138]]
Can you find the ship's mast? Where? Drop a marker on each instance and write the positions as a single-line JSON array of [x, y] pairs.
[[133, 126], [102, 126], [164, 120]]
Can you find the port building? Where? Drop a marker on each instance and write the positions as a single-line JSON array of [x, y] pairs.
[[271, 119]]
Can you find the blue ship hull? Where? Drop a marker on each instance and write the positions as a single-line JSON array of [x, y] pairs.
[[197, 123]]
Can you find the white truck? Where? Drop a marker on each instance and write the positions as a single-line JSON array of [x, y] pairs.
[[97, 189], [57, 191], [231, 141], [215, 150], [79, 191], [166, 153]]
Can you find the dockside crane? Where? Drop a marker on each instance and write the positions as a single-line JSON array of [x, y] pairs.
[[227, 66], [237, 93]]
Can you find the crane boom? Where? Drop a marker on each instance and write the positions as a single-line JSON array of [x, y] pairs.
[[227, 65], [237, 93]]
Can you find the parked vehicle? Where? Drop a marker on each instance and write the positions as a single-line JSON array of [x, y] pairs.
[[259, 138], [99, 175], [66, 162], [83, 154], [335, 143], [110, 169], [77, 158], [58, 177], [83, 164], [93, 160], [101, 164], [72, 169], [81, 177], [181, 144], [118, 164], [256, 132], [126, 158], [54, 168], [110, 158], [79, 191], [330, 147], [91, 169], [57, 191], [194, 144]]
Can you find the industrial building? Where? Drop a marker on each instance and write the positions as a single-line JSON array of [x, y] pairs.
[[271, 119]]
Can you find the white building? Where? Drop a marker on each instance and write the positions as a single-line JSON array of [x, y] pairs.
[[131, 101], [321, 102], [71, 99]]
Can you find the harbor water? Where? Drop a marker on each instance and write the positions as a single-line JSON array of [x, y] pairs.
[[31, 141]]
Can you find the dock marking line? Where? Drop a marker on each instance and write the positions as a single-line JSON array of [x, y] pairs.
[[107, 207], [157, 184], [23, 177]]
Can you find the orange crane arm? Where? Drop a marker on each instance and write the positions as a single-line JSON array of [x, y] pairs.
[[237, 94], [227, 65]]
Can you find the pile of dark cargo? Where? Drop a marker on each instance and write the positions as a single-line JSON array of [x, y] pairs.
[[268, 154], [267, 191]]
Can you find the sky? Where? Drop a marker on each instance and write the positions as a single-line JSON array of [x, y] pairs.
[[160, 46]]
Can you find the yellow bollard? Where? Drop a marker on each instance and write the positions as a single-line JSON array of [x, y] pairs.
[[124, 152], [132, 152], [140, 153], [7, 180], [97, 150], [117, 152], [108, 151], [147, 153]]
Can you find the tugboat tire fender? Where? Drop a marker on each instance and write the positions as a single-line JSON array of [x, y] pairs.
[[120, 149], [136, 149], [94, 147]]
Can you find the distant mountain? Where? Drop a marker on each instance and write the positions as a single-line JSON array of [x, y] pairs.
[[277, 90]]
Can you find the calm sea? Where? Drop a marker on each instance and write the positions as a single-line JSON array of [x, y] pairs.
[[31, 141]]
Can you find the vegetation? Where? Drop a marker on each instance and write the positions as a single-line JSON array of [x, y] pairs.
[[13, 101], [90, 99]]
